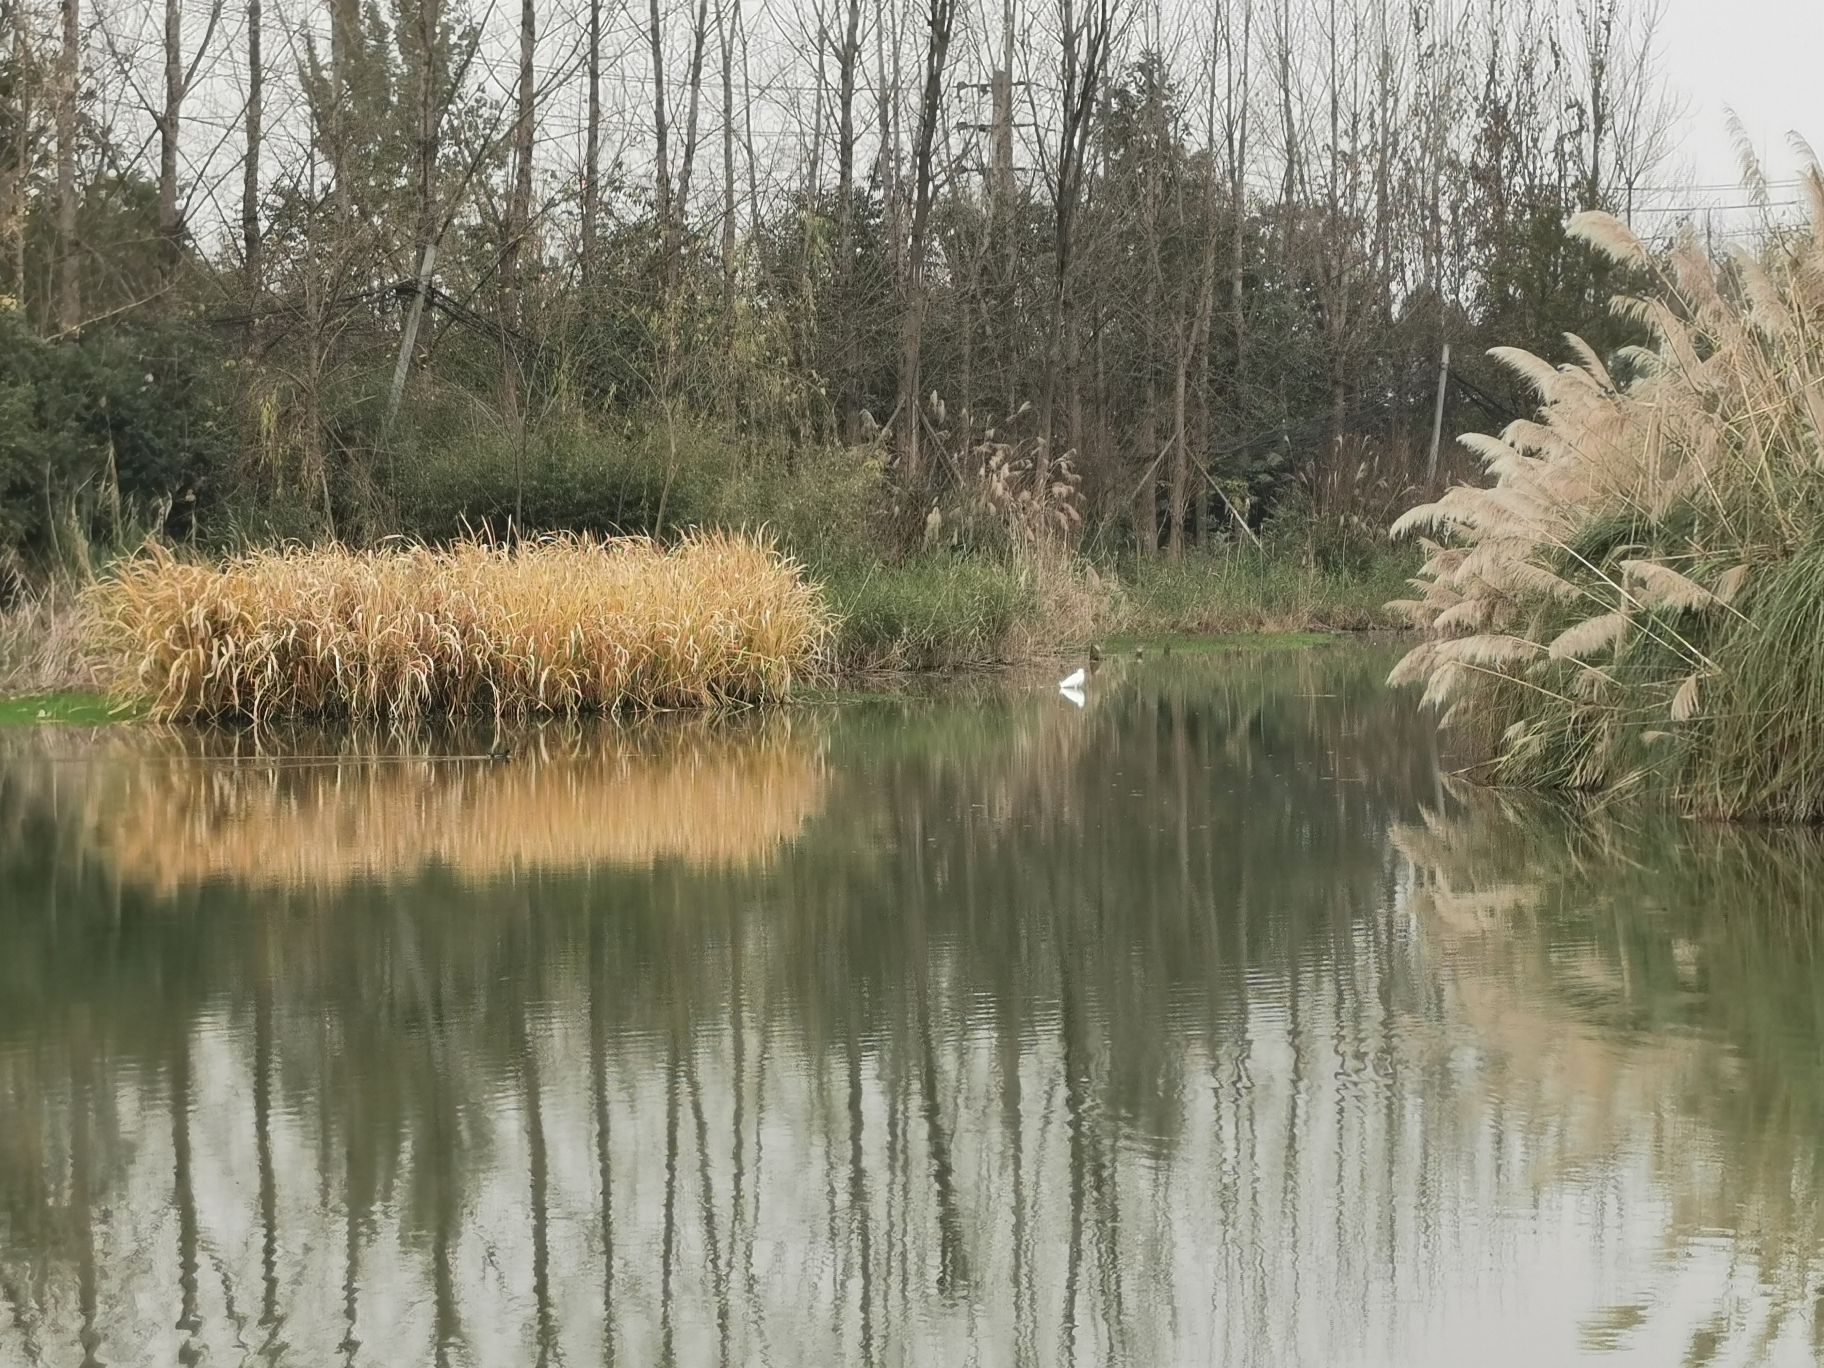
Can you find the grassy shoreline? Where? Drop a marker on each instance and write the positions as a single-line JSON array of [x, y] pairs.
[[935, 614], [73, 707], [956, 613]]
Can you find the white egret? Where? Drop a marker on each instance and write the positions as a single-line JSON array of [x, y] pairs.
[[1073, 680]]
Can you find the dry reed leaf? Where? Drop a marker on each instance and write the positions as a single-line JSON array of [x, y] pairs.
[[1470, 613], [1685, 701], [1529, 577], [1590, 636], [1610, 236], [1592, 363], [1431, 515], [1660, 586], [1766, 308], [1413, 666], [1541, 374], [1488, 650], [1496, 453], [1730, 585], [1441, 684]]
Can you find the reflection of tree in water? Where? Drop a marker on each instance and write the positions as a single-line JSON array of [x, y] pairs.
[[1648, 991], [1051, 1035]]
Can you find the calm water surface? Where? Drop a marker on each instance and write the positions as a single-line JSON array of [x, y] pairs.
[[1208, 1024]]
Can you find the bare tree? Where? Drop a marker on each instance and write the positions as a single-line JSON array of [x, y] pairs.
[[252, 265], [592, 146], [699, 33], [727, 15], [661, 166], [848, 57], [15, 172], [519, 208], [941, 18], [1086, 38], [69, 67]]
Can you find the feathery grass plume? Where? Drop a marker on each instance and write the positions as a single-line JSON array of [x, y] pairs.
[[560, 625], [1610, 236], [1588, 637], [1661, 514]]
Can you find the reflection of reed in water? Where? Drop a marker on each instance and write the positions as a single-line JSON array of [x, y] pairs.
[[1646, 989], [171, 811]]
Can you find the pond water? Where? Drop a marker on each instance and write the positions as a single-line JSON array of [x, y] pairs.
[[1207, 1023]]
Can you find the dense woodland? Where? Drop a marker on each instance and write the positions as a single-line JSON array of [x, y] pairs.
[[1132, 274]]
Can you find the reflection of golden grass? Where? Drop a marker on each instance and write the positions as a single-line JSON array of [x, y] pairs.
[[169, 816]]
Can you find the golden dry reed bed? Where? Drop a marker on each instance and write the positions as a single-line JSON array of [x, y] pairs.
[[557, 625], [1638, 591], [169, 811]]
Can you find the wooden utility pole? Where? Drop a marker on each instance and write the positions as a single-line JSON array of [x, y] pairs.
[[427, 265], [1437, 419], [1001, 176]]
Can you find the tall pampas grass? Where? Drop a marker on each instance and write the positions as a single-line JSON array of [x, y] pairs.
[[559, 625], [1637, 591]]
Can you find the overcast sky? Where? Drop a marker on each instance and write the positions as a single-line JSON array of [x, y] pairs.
[[1762, 58]]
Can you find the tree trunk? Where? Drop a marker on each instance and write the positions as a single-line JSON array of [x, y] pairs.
[[1085, 56], [845, 388], [519, 208], [846, 61], [69, 61], [21, 152], [430, 117], [1181, 462], [252, 265], [592, 146], [725, 32], [661, 163], [427, 149], [747, 122], [170, 227], [1236, 114], [942, 19], [699, 34]]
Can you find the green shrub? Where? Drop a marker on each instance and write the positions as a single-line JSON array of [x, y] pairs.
[[824, 504], [454, 470], [1247, 590], [451, 473], [126, 425], [934, 612]]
